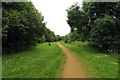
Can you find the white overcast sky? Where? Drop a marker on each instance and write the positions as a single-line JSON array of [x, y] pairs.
[[54, 12]]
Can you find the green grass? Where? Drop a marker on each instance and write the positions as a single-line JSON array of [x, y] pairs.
[[42, 61], [99, 65], [0, 66]]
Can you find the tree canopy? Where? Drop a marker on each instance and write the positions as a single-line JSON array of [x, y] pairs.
[[97, 24], [23, 26]]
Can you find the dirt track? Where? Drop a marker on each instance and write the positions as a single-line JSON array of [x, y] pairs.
[[72, 67]]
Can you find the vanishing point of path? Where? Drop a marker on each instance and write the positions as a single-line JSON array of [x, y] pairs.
[[72, 67]]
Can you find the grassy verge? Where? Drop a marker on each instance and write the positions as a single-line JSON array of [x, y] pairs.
[[42, 61], [98, 64]]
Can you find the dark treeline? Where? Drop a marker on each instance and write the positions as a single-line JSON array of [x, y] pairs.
[[23, 27], [96, 22]]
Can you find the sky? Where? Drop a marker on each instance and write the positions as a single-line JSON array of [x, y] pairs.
[[55, 14]]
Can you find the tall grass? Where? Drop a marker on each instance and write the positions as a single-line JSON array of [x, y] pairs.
[[100, 65], [42, 61]]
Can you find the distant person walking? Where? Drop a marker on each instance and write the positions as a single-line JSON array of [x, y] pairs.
[[49, 43]]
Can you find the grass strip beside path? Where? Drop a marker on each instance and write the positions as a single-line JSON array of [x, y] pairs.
[[100, 65], [41, 61]]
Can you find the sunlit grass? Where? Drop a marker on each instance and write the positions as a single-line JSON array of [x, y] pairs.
[[42, 61], [98, 64]]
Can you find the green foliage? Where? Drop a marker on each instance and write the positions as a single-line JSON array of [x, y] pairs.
[[98, 23], [42, 39], [73, 16], [59, 38], [49, 35], [65, 39], [103, 33], [23, 26], [118, 11], [104, 25], [77, 19], [73, 36]]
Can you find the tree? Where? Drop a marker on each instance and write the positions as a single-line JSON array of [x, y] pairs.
[[77, 19], [97, 24], [49, 35], [103, 33], [22, 26], [72, 36], [99, 21]]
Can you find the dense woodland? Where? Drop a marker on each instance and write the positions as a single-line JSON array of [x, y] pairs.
[[88, 51], [23, 27], [98, 23]]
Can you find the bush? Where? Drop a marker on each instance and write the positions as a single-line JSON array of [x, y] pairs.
[[103, 34], [22, 25]]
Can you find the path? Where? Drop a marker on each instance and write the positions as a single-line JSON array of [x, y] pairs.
[[72, 67]]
